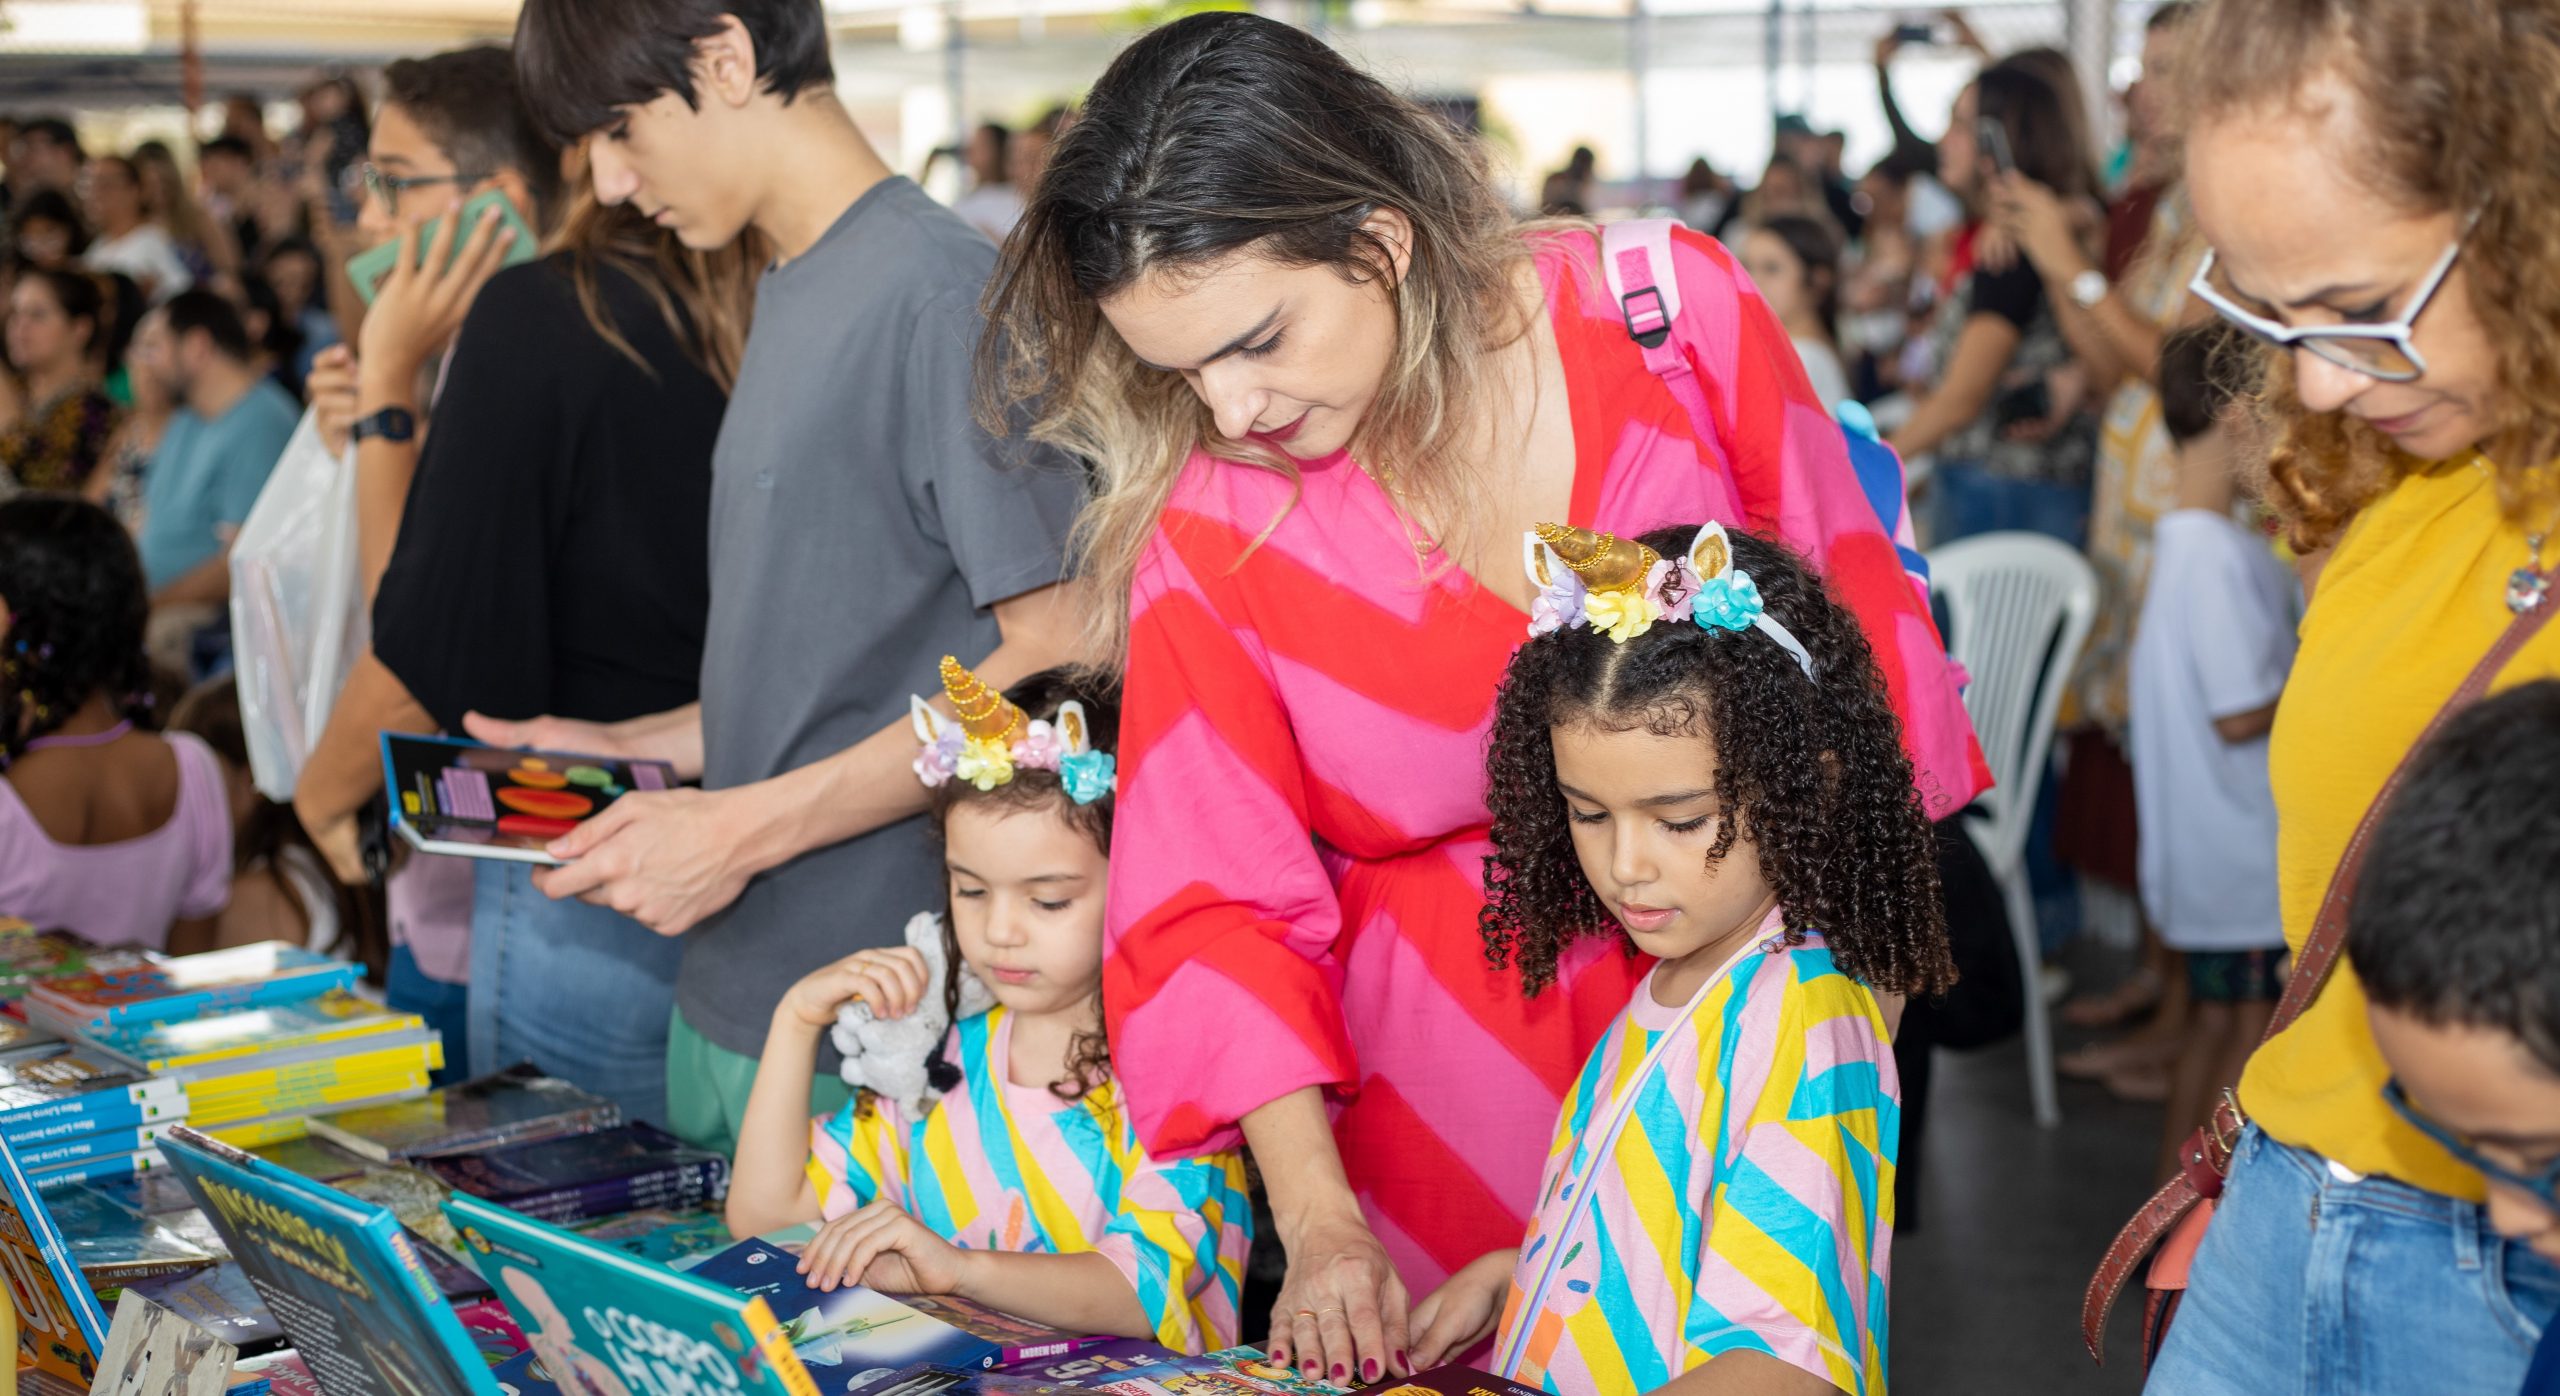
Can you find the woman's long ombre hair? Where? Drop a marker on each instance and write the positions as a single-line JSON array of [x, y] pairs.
[[2459, 102], [1215, 135]]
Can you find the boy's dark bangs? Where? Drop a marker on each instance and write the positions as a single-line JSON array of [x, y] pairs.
[[578, 62]]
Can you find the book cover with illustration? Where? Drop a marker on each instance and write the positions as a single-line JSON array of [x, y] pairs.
[[275, 1035], [622, 1323], [667, 1237], [341, 1275], [1238, 1371], [221, 1301], [845, 1336], [28, 957], [514, 1106], [113, 1244], [929, 1379], [61, 1328], [162, 990], [626, 1168], [459, 797]]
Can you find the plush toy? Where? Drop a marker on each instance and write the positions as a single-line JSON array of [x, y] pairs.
[[889, 1056]]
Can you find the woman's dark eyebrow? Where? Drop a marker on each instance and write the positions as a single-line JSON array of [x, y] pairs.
[[1230, 347]]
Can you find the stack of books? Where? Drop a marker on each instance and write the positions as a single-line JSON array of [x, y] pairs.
[[629, 1168], [239, 1041], [516, 1106], [75, 1113]]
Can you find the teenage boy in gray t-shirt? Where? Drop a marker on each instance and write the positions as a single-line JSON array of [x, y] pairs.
[[862, 525]]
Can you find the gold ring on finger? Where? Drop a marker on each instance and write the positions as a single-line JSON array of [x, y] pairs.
[[1306, 1313]]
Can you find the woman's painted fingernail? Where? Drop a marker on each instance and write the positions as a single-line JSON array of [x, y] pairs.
[[1340, 1371], [1403, 1361], [1368, 1369]]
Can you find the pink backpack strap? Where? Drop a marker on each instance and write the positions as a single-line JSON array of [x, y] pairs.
[[1635, 258]]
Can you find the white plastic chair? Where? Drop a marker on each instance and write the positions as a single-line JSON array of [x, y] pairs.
[[2019, 606]]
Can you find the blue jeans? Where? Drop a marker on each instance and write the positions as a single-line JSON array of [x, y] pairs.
[[2308, 1285], [581, 991], [446, 1007], [1970, 500]]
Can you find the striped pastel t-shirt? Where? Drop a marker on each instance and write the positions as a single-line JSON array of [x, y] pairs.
[[1747, 1203], [999, 1166]]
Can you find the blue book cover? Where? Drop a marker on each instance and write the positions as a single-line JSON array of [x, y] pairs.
[[338, 1023], [84, 1090], [61, 1328], [616, 1321], [340, 1274], [189, 986], [845, 1336]]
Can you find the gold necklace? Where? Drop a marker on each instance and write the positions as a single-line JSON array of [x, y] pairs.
[[1384, 476]]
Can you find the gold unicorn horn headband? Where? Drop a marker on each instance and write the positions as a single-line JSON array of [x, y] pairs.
[[1620, 587], [984, 713]]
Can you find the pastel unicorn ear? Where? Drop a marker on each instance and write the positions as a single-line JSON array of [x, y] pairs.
[[1712, 554], [1075, 734], [928, 723], [1539, 561]]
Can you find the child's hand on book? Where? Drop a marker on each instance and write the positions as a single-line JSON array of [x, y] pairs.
[[892, 981], [1459, 1314], [881, 1246]]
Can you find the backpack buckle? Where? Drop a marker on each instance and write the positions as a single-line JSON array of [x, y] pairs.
[[1648, 323]]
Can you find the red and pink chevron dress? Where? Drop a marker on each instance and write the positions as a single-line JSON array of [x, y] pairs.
[[1297, 861]]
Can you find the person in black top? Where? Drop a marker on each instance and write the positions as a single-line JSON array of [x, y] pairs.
[[552, 557]]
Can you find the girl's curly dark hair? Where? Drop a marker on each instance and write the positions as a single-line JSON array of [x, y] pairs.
[[76, 606], [1813, 772], [1040, 696]]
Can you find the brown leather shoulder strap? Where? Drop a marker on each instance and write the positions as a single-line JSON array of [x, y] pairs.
[[2319, 954]]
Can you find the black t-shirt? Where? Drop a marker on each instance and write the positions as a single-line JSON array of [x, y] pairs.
[[554, 554], [2014, 294]]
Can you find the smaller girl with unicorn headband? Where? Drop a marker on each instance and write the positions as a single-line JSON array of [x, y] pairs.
[[1693, 756], [1005, 1170]]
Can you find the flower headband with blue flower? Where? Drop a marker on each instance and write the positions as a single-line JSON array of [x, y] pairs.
[[1620, 587], [994, 738]]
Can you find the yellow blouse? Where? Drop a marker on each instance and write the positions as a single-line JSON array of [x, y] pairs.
[[2413, 596]]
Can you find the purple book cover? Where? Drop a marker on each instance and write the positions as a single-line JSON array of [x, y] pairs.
[[632, 1151]]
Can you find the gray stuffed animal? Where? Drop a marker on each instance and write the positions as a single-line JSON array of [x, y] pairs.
[[887, 1056]]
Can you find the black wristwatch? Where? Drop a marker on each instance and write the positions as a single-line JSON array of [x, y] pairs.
[[391, 424]]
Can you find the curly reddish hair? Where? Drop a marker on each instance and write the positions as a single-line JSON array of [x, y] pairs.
[[1812, 772], [2459, 104]]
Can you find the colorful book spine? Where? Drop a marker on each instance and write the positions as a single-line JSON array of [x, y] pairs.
[[98, 1169], [302, 1097], [312, 1026], [28, 1129], [81, 1148], [145, 1102], [258, 1134]]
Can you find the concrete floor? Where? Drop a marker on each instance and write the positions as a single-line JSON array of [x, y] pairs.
[[1986, 1295]]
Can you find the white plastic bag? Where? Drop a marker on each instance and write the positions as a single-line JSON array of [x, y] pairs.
[[297, 606]]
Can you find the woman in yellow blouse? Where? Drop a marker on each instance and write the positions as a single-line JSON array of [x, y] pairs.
[[2374, 178]]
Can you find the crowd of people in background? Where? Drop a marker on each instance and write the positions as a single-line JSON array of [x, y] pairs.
[[711, 433]]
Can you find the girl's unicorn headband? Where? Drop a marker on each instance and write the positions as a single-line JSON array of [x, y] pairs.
[[1620, 587], [994, 738]]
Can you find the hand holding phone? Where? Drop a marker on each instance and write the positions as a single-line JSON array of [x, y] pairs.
[[368, 268], [1994, 140]]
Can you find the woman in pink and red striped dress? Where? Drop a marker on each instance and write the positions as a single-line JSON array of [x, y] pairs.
[[1328, 384]]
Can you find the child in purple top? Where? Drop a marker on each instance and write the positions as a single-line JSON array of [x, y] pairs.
[[105, 829]]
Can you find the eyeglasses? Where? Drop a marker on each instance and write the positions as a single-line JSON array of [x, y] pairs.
[[2383, 351], [388, 188], [2543, 1187]]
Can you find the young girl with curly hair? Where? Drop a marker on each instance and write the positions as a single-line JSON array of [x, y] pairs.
[[106, 828], [1006, 1170], [1694, 757]]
